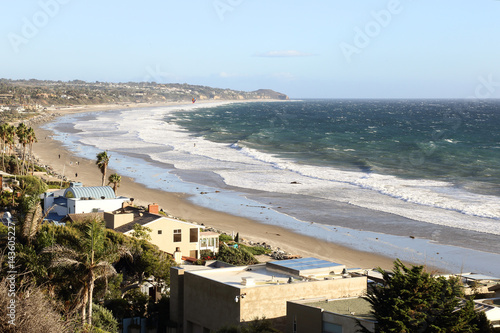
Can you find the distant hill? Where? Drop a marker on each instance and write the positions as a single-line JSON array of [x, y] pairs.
[[40, 93]]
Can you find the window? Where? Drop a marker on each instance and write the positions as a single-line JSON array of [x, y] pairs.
[[159, 232], [193, 235], [177, 235]]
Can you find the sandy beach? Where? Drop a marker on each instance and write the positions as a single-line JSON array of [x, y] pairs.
[[51, 152]]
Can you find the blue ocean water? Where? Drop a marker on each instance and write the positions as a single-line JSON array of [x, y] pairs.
[[361, 173], [456, 141]]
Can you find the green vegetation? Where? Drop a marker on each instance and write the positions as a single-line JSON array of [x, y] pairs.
[[103, 319], [235, 256], [66, 270], [225, 238], [115, 179], [141, 232], [22, 138], [255, 250], [411, 300]]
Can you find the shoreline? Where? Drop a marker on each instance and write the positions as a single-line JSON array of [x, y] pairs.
[[48, 150]]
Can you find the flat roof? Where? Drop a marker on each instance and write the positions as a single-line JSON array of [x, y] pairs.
[[358, 307], [233, 276], [276, 272]]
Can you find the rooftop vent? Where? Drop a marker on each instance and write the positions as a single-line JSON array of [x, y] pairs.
[[248, 281]]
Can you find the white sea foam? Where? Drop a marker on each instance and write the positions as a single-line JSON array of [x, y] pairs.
[[421, 200]]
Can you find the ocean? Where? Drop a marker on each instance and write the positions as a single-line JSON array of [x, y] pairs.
[[414, 179]]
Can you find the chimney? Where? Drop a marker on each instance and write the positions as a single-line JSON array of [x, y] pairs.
[[153, 208], [178, 255]]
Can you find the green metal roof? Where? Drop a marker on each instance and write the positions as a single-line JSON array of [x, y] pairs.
[[95, 192]]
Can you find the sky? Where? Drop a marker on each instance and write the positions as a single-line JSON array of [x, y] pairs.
[[305, 49]]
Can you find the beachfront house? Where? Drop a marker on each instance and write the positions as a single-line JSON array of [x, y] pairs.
[[203, 299], [78, 199], [170, 235]]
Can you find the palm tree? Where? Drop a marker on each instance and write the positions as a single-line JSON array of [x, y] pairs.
[[31, 136], [102, 163], [11, 141], [94, 256], [22, 137], [4, 129], [115, 179]]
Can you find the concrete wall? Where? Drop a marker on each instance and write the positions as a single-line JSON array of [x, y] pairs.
[[177, 296], [307, 319], [117, 220], [209, 304], [270, 301], [87, 206]]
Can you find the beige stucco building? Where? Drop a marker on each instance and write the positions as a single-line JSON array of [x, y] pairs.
[[170, 235], [208, 299]]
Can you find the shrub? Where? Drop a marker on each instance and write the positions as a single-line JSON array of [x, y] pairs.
[[103, 318], [225, 238], [30, 304], [238, 257], [255, 250]]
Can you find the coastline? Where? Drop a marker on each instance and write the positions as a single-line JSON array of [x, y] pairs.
[[48, 150]]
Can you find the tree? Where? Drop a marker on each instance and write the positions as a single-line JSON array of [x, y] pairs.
[[411, 300], [103, 319], [102, 163], [22, 137], [30, 217], [31, 138], [11, 141], [4, 131], [115, 179], [141, 232], [94, 256]]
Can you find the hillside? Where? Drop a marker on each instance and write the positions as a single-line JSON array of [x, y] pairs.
[[35, 94]]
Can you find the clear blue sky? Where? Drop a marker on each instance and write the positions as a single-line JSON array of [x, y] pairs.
[[306, 49]]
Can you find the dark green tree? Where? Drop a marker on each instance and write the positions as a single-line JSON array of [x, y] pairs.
[[103, 319], [412, 300], [94, 256]]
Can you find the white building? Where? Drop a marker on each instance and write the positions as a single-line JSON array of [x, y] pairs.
[[78, 199]]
